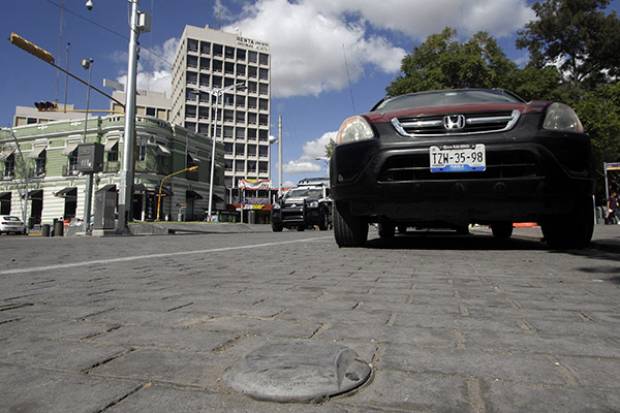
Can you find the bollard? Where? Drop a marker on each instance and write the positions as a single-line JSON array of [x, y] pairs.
[[45, 230], [59, 228]]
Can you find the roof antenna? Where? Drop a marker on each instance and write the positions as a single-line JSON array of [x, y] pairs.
[[346, 65]]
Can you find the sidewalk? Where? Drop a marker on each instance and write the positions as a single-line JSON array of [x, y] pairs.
[[605, 238], [164, 228]]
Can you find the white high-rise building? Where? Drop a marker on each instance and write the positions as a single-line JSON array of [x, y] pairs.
[[208, 58]]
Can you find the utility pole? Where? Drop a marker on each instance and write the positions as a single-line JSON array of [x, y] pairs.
[[88, 200], [127, 169], [279, 156]]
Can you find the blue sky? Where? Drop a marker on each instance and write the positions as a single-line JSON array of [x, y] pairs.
[[310, 42]]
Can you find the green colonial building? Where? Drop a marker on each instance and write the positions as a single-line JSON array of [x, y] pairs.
[[47, 154]]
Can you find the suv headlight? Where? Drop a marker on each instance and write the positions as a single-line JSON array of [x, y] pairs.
[[313, 204], [355, 128], [561, 117]]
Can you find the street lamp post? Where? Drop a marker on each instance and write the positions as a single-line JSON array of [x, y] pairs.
[[138, 22], [217, 92], [87, 64]]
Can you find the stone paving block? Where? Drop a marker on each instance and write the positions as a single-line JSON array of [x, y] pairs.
[[519, 368], [510, 397], [164, 399], [36, 390], [405, 392]]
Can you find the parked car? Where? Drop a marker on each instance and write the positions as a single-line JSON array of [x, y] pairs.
[[450, 158], [302, 207], [10, 224]]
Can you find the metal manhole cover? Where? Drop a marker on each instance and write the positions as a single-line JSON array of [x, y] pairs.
[[300, 371]]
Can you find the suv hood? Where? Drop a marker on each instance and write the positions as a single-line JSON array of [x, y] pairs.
[[381, 117]]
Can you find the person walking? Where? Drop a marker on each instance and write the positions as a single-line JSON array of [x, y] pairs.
[[612, 209]]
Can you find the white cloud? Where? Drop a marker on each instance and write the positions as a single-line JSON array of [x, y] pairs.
[[309, 38], [308, 47], [300, 166], [316, 148], [312, 150], [154, 68]]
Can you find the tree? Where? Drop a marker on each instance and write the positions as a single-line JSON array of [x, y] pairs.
[[578, 37], [442, 62], [329, 148]]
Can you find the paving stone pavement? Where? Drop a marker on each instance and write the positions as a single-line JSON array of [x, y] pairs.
[[449, 323]]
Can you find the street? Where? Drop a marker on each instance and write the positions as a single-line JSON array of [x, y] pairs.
[[449, 323]]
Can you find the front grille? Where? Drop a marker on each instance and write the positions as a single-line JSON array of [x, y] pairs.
[[500, 164], [473, 123]]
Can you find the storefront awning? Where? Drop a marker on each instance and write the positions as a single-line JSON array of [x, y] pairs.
[[139, 188], [68, 191], [6, 152], [109, 187], [36, 152], [35, 194], [217, 198], [5, 196], [110, 143], [162, 150], [194, 157], [70, 148], [190, 194]]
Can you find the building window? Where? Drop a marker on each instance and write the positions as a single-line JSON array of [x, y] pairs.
[[73, 161], [228, 116], [263, 150], [205, 63], [263, 89], [240, 101], [228, 165], [217, 50], [251, 167], [229, 100], [39, 163], [142, 150], [229, 52], [263, 104], [263, 59], [192, 45], [240, 70], [263, 167], [240, 149], [229, 68], [252, 57], [150, 111], [217, 81], [203, 128], [252, 150], [190, 125], [252, 71], [192, 61], [252, 87], [113, 153], [263, 135], [228, 148], [251, 103], [31, 121], [240, 54], [251, 134], [205, 47], [240, 133], [190, 111], [263, 74], [240, 166], [9, 166], [263, 120], [240, 117], [204, 80], [192, 78], [217, 65], [228, 132], [252, 118]]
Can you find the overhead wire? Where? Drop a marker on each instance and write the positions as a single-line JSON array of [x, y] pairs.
[[105, 28]]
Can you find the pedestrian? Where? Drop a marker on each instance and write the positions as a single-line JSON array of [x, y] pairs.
[[612, 209]]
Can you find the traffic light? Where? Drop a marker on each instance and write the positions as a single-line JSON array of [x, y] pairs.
[[46, 106], [31, 48]]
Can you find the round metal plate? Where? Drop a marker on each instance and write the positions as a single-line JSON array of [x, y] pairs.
[[301, 371]]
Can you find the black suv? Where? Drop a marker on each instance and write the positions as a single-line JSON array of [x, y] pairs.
[[301, 208], [455, 157]]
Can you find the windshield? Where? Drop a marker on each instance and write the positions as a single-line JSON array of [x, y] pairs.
[[445, 98], [302, 193], [13, 219]]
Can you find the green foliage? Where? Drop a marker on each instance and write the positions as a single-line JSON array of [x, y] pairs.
[[576, 35], [329, 148], [442, 62]]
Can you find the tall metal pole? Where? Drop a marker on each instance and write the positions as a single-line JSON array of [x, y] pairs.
[[127, 172], [279, 156], [67, 76], [88, 64], [213, 138], [606, 182]]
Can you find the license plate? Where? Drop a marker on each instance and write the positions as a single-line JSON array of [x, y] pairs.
[[458, 158]]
